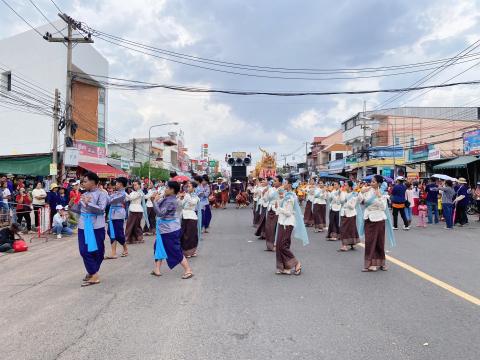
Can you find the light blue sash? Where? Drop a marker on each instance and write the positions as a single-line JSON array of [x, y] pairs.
[[89, 233], [110, 220], [160, 253], [145, 213]]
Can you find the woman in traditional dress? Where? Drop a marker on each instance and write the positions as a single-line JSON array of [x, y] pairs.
[[335, 200], [263, 205], [348, 213], [203, 192], [189, 203], [272, 216], [375, 215], [290, 221], [320, 207], [167, 243], [308, 214], [257, 195], [133, 230]]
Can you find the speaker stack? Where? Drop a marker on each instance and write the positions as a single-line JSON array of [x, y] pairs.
[[239, 162]]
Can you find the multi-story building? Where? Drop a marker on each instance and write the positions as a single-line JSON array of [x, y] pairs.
[[385, 141], [31, 68], [326, 149]]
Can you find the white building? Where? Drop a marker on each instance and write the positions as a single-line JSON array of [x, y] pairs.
[[36, 68]]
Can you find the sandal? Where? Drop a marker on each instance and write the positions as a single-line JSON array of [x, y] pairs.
[[109, 258], [187, 276], [194, 255], [90, 283], [155, 274], [384, 268], [284, 272], [369, 269], [86, 278], [298, 271], [124, 254], [342, 250]]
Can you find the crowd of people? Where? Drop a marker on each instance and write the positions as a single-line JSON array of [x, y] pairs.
[[347, 211]]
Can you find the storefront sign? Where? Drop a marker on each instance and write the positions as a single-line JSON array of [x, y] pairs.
[[53, 169], [386, 152], [471, 142], [419, 153], [434, 154], [71, 156], [91, 153], [124, 164]]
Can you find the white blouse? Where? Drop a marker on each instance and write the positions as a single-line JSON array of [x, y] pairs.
[[189, 205], [321, 196], [135, 198], [350, 201], [285, 212], [310, 193], [335, 200], [376, 211]]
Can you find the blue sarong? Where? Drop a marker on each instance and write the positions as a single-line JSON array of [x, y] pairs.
[[90, 239], [160, 253]]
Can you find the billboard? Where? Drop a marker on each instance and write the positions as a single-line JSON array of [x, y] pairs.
[[471, 142]]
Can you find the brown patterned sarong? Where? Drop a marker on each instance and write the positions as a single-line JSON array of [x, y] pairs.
[[189, 239], [270, 228], [133, 230], [261, 223], [374, 243], [285, 258], [333, 225], [308, 214], [348, 231], [319, 215]]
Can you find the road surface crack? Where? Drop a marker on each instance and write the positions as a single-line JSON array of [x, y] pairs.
[[87, 324], [32, 285]]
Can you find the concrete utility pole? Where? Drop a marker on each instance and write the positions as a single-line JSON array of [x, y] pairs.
[[69, 40], [56, 112]]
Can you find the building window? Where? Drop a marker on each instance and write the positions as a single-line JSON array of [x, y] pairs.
[[6, 81], [397, 141], [101, 115], [338, 156], [412, 142]]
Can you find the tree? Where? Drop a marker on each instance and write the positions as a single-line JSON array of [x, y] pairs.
[[115, 156], [156, 173]]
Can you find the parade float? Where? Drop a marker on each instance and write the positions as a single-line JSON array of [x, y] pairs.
[[267, 166]]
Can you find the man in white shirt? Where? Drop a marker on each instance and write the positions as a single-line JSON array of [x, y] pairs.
[[150, 211], [59, 224], [38, 200], [133, 230]]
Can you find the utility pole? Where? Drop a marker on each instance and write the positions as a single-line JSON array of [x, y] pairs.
[[56, 112], [364, 147], [69, 40], [134, 148]]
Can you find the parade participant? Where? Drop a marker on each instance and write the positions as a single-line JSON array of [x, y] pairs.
[[320, 207], [133, 230], [116, 218], [190, 231], [257, 194], [203, 192], [272, 216], [290, 222], [335, 201], [224, 194], [350, 215], [375, 216], [398, 198], [91, 227], [167, 243], [263, 205], [217, 191], [310, 193], [461, 202], [149, 196]]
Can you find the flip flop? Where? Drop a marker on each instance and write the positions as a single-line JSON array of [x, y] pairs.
[[86, 278], [342, 250], [155, 274], [194, 255], [124, 255], [298, 272], [187, 276], [109, 258], [283, 272], [90, 283]]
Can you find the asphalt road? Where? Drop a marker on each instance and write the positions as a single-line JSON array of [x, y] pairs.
[[237, 308]]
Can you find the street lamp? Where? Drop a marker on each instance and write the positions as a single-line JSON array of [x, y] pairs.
[[150, 143]]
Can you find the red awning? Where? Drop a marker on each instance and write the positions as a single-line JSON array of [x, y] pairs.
[[103, 171]]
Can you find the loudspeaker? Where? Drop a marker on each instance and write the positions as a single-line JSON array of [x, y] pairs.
[[247, 161], [231, 161], [239, 172]]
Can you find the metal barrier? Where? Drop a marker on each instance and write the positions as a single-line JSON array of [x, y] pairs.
[[43, 222]]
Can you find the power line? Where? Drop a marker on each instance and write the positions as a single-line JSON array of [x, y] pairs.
[[45, 17], [53, 2], [21, 17], [141, 85]]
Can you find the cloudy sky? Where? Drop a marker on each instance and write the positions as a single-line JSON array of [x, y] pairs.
[[292, 34]]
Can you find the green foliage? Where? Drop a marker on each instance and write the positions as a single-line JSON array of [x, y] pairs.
[[156, 173], [115, 156]]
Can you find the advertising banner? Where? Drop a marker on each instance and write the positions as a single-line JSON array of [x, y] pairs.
[[471, 142]]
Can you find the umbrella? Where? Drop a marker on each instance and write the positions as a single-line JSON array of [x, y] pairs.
[[443, 177], [180, 178], [368, 178]]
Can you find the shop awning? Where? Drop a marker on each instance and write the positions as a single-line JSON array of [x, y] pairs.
[[460, 162], [103, 171], [30, 165]]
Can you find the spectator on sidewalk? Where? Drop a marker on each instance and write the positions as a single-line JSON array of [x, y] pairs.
[[409, 203], [24, 208], [398, 203], [447, 202], [62, 197], [7, 237], [432, 200], [6, 196], [75, 194], [461, 202], [38, 200], [60, 223], [53, 200]]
